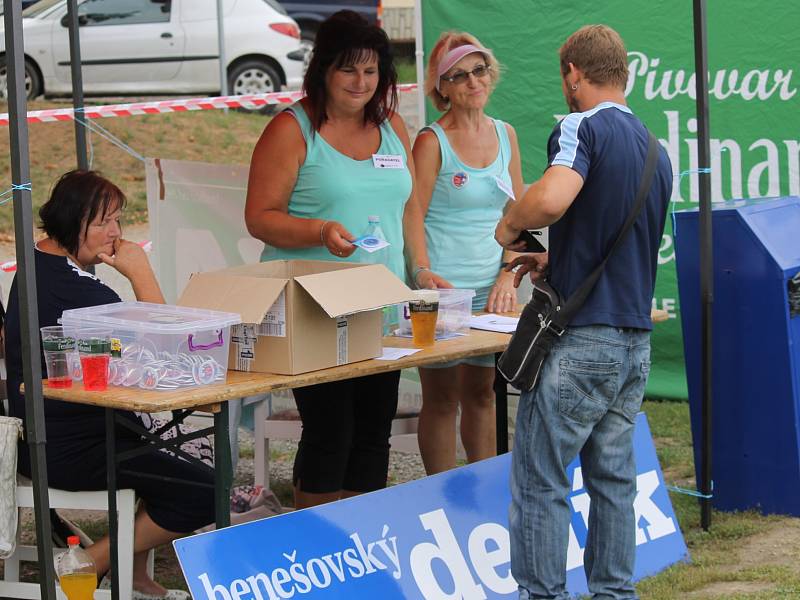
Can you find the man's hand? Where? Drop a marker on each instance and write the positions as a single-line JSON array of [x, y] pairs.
[[535, 264], [506, 236]]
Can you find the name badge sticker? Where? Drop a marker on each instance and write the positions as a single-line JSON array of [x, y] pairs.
[[387, 161], [504, 187]]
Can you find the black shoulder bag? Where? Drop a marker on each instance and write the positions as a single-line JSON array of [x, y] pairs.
[[545, 318]]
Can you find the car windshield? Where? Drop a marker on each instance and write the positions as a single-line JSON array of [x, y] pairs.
[[42, 5], [277, 6]]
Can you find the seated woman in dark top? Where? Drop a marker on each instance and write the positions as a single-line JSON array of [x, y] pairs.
[[82, 223]]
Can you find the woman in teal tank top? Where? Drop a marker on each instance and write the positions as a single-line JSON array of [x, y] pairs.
[[468, 166], [320, 169]]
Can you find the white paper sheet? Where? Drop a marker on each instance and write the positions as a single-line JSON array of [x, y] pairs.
[[497, 323], [395, 353]]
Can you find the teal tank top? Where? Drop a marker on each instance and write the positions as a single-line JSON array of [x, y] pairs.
[[465, 206], [335, 187]]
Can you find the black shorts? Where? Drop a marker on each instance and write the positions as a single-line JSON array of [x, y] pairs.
[[345, 440]]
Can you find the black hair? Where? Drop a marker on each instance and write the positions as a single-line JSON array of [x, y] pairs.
[[345, 38], [76, 199]]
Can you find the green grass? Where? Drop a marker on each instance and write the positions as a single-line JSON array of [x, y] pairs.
[[729, 554], [208, 136], [406, 70]]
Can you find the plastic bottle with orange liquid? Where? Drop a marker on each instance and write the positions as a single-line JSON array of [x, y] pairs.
[[76, 571]]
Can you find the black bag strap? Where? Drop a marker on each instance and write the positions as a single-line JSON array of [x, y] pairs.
[[576, 300]]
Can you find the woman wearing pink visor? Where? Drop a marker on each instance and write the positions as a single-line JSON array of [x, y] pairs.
[[467, 166]]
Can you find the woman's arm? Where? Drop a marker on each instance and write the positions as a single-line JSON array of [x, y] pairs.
[[503, 297], [428, 162], [276, 160], [130, 260]]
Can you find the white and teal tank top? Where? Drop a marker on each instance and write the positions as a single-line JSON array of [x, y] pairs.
[[465, 206], [334, 187]]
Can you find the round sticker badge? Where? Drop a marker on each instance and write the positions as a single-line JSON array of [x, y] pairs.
[[459, 179]]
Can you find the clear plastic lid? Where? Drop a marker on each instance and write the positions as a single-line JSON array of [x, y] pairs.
[[148, 317]]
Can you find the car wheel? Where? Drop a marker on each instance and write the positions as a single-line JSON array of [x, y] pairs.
[[254, 77], [33, 82]]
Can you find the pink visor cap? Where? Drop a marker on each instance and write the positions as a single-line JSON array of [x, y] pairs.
[[455, 55]]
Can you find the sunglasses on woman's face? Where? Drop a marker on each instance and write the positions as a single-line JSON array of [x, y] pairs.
[[462, 76]]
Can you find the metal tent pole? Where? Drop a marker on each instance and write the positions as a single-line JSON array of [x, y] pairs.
[[706, 253], [77, 82], [223, 75], [419, 60], [26, 289]]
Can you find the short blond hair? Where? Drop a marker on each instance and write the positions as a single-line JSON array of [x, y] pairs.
[[446, 42], [599, 52]]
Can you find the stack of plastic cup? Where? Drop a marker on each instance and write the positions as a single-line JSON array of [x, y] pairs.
[[58, 351]]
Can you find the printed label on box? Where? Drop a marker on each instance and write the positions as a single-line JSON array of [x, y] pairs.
[[341, 341], [274, 323], [244, 338]]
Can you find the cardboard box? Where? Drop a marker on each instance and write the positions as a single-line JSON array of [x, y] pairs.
[[299, 315]]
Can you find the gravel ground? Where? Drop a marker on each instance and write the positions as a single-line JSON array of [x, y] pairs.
[[403, 466]]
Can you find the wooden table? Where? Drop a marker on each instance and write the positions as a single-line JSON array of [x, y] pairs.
[[238, 384]]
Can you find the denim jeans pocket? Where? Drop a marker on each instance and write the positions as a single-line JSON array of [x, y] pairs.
[[633, 391], [586, 389]]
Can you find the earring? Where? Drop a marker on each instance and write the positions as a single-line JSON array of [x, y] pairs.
[[574, 86]]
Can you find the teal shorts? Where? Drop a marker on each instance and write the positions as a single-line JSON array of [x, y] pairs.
[[485, 360]]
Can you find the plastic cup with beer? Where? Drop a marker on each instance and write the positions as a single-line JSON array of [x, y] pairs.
[[424, 309], [58, 349], [94, 347]]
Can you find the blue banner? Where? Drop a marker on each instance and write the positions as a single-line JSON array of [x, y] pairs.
[[442, 537]]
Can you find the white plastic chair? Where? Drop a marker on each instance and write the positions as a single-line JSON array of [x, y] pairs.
[[12, 587]]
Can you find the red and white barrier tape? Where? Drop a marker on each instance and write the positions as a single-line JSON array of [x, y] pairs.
[[249, 101], [10, 266]]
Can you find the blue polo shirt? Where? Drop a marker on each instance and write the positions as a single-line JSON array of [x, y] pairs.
[[607, 146]]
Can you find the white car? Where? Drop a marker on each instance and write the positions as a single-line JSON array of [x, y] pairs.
[[134, 47]]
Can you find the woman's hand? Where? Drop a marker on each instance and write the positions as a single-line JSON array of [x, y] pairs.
[[130, 260], [427, 279], [502, 297], [337, 239], [535, 264]]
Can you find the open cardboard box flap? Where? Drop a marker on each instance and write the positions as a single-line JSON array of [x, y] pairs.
[[251, 297], [347, 291]]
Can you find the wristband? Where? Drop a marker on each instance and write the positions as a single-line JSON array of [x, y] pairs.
[[417, 271], [322, 233]]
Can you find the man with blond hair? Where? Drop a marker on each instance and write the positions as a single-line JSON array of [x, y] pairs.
[[592, 383]]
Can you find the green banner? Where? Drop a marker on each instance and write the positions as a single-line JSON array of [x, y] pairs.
[[754, 103]]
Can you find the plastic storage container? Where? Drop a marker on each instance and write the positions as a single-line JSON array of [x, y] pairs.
[[158, 346], [455, 310]]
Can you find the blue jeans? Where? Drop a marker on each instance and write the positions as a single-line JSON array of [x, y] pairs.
[[586, 401]]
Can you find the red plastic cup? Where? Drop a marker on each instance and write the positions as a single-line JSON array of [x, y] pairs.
[[94, 346]]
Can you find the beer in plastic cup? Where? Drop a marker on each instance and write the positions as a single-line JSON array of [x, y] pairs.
[[94, 346], [58, 349], [424, 309]]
